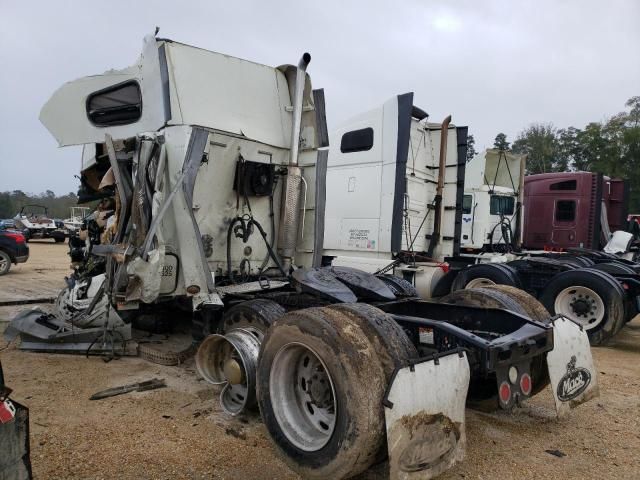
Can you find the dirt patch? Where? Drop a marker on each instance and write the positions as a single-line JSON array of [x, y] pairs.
[[41, 276]]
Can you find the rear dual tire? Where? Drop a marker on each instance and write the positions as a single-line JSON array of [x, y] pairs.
[[483, 393], [589, 297], [331, 425]]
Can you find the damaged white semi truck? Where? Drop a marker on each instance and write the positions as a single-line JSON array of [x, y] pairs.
[[219, 199]]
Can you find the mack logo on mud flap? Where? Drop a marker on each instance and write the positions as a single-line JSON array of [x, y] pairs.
[[574, 382]]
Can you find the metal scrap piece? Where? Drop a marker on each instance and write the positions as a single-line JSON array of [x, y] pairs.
[[134, 387]]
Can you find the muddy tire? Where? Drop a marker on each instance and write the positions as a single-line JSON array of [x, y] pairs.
[[483, 275], [331, 424], [483, 297], [396, 347], [483, 393], [531, 306], [5, 263], [589, 297], [253, 315]]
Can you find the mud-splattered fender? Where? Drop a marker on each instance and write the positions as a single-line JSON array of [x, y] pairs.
[[424, 415]]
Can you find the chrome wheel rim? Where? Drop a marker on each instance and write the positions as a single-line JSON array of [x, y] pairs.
[[302, 397], [479, 282], [582, 305]]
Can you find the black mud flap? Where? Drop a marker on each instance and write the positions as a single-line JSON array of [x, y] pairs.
[[15, 463], [424, 415]]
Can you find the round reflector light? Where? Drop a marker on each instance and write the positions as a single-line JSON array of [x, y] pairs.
[[504, 392], [525, 383]]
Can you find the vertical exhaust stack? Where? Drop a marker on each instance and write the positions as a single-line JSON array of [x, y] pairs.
[[442, 171], [291, 192]]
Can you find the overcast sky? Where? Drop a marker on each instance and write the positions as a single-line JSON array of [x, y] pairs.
[[494, 65]]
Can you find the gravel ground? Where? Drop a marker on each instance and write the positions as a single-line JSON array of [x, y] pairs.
[[180, 431]]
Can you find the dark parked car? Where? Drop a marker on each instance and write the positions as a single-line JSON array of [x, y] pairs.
[[13, 249]]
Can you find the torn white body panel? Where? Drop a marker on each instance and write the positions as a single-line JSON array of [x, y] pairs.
[[184, 85], [224, 90], [425, 415], [571, 369], [619, 242], [65, 114]]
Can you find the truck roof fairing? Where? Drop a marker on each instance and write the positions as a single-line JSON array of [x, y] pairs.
[[495, 168], [179, 85]]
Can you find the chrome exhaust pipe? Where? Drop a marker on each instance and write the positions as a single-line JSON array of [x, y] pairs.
[[231, 360], [291, 192]]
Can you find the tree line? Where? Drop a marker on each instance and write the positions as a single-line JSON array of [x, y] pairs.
[[58, 206], [611, 147]]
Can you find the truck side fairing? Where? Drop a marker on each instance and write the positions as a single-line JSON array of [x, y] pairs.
[[381, 191]]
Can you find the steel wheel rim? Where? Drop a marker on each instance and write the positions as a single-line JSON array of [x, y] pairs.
[[302, 397], [480, 282], [572, 301]]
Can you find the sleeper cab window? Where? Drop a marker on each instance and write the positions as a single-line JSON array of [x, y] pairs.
[[467, 202], [500, 205], [566, 185], [357, 140], [565, 210], [116, 105]]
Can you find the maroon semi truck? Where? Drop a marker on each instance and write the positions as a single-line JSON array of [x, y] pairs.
[[573, 210]]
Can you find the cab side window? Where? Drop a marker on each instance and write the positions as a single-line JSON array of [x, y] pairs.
[[565, 211], [467, 204], [500, 205]]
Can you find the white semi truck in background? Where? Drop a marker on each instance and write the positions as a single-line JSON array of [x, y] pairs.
[[596, 289], [304, 271]]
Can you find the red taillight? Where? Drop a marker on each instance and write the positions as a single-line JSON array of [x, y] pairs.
[[625, 286], [504, 392], [18, 237], [525, 384]]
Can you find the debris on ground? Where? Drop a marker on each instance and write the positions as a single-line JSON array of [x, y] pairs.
[[556, 453], [152, 384]]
